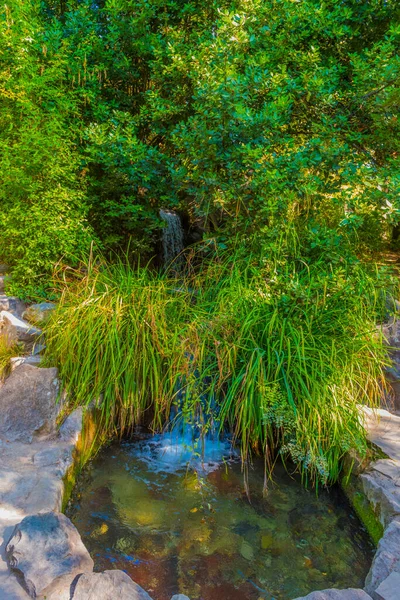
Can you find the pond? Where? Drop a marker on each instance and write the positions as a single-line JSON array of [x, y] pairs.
[[194, 530]]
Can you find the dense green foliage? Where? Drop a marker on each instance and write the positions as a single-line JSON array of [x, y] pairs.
[[243, 113], [286, 351]]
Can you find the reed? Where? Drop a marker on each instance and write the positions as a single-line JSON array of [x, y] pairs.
[[285, 350]]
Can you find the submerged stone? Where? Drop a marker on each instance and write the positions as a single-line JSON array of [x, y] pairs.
[[350, 594]]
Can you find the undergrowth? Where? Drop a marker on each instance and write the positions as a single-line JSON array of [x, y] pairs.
[[284, 350]]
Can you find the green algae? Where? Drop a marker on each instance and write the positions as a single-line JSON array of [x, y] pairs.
[[89, 443], [352, 487]]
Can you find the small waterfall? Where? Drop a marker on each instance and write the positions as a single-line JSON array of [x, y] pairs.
[[172, 238], [195, 443], [184, 447]]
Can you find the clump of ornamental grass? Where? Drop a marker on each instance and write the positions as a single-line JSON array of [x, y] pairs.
[[286, 351]]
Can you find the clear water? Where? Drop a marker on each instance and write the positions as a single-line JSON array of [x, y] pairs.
[[194, 531]]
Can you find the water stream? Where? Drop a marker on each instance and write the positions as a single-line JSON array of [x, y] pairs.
[[172, 237], [177, 519]]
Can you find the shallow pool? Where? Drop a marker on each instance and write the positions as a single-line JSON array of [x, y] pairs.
[[197, 533]]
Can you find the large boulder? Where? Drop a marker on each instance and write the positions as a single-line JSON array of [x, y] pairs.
[[386, 559], [109, 585], [350, 594], [46, 553], [28, 403]]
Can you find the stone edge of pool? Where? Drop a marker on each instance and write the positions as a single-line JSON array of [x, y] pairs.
[[42, 555]]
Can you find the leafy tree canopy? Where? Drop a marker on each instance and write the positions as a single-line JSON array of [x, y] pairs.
[[255, 117]]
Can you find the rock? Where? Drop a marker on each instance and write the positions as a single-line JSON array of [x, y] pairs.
[[383, 430], [350, 594], [109, 585], [393, 378], [180, 597], [4, 301], [71, 429], [391, 332], [45, 551], [389, 468], [33, 491], [386, 560], [383, 493], [31, 359], [36, 313], [12, 304], [18, 329], [28, 403], [389, 589], [37, 349]]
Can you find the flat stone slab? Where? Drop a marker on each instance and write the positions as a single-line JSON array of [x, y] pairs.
[[350, 594], [28, 403], [45, 548], [383, 430], [109, 585], [31, 482], [389, 468], [389, 589]]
